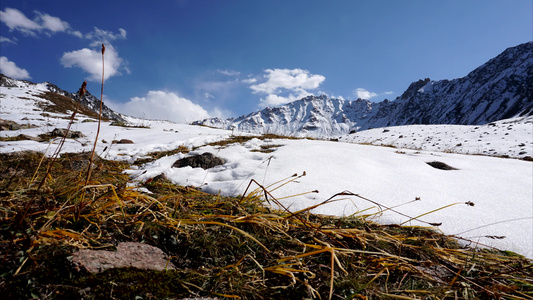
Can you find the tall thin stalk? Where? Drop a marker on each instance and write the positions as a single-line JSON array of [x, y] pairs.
[[89, 168]]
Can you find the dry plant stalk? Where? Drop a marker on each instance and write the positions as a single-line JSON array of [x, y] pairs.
[[89, 168]]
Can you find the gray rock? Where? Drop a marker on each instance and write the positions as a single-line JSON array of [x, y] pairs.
[[205, 161], [72, 134], [129, 254]]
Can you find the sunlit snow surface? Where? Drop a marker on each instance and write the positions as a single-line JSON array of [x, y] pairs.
[[500, 188]]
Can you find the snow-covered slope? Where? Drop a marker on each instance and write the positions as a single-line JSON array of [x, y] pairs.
[[505, 138], [88, 100], [501, 88], [501, 189]]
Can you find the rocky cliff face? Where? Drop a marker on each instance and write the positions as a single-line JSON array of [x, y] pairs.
[[501, 88]]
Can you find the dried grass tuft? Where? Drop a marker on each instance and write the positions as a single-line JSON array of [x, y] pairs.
[[224, 246]]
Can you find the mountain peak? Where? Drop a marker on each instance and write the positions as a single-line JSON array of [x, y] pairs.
[[414, 88]]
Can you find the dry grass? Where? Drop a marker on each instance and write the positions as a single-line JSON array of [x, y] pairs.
[[64, 105], [222, 247], [239, 139]]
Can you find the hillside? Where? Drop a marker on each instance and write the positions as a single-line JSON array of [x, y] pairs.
[[89, 103]]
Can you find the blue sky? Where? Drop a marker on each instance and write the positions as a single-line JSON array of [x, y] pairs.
[[186, 60]]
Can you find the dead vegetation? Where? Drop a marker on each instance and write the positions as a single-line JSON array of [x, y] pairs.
[[64, 105], [222, 247], [240, 139]]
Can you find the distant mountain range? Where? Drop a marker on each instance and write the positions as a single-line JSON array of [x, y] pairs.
[[499, 89]]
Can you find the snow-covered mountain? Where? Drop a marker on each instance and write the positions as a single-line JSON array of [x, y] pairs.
[[88, 100], [501, 88]]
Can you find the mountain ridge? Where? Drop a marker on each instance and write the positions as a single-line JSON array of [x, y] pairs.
[[88, 100], [499, 89]]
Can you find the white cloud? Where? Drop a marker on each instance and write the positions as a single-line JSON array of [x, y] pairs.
[[53, 24], [103, 36], [4, 39], [16, 20], [90, 61], [293, 80], [10, 69], [295, 83], [162, 106], [221, 113], [43, 23], [229, 72], [47, 24], [76, 33], [249, 80], [364, 94]]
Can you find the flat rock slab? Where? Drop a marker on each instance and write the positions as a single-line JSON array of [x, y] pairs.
[[128, 254]]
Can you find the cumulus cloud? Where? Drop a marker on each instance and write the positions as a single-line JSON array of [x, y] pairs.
[[162, 105], [43, 23], [364, 94], [280, 82], [90, 61], [10, 69], [16, 20], [294, 80]]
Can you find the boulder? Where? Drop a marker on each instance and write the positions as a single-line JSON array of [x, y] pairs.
[[205, 161]]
